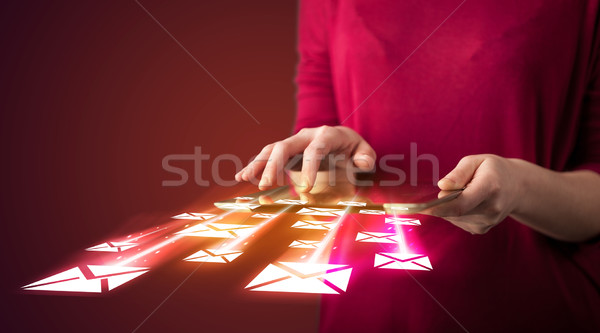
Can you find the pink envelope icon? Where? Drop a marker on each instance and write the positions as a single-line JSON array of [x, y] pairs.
[[214, 255], [88, 279], [352, 203], [372, 212], [376, 237], [112, 247], [408, 261], [298, 277], [402, 221]]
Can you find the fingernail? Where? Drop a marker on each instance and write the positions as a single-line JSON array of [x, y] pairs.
[[446, 183], [265, 182], [305, 184]]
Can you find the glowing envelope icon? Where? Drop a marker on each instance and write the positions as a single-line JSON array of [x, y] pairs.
[[111, 247], [214, 255], [264, 216], [194, 216], [218, 230], [88, 279], [237, 206], [297, 277], [245, 198], [417, 262], [376, 237], [305, 244], [291, 202], [402, 221], [321, 211], [372, 212], [352, 203], [318, 225]]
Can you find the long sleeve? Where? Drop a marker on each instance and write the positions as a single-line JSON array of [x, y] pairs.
[[316, 102], [587, 149]]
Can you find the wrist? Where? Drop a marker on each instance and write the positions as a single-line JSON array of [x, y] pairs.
[[522, 177]]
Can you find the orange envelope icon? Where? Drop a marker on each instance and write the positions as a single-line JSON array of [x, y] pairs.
[[88, 279], [376, 237], [112, 247], [305, 244], [291, 202], [417, 262], [245, 198], [319, 225], [218, 230], [214, 255], [237, 206], [298, 277], [372, 212], [402, 220], [264, 215], [194, 216], [321, 211], [352, 203]]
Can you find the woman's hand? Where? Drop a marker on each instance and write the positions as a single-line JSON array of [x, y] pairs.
[[492, 188], [315, 143]]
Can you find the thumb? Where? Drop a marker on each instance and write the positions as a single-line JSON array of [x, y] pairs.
[[364, 156], [462, 173]]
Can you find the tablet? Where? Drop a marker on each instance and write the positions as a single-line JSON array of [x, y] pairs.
[[370, 195]]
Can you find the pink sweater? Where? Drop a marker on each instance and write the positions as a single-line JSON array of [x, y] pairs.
[[513, 78]]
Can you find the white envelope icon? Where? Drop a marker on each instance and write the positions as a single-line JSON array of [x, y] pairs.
[[376, 237], [417, 262], [372, 212], [88, 279], [237, 206], [112, 247], [321, 211], [291, 202], [352, 203], [305, 244], [245, 198], [214, 255], [319, 225], [402, 220], [218, 230], [194, 216], [302, 278], [264, 216]]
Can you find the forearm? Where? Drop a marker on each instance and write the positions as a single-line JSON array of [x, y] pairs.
[[562, 205]]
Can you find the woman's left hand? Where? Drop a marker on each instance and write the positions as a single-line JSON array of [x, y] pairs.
[[491, 192]]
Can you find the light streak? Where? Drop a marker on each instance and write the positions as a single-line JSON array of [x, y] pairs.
[[242, 239], [402, 246], [166, 242], [328, 238]]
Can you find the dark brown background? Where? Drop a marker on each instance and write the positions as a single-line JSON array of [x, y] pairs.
[[94, 95]]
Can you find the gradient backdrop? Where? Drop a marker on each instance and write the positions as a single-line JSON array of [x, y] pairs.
[[94, 95]]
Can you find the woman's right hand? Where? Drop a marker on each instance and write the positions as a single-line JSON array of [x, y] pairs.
[[315, 144]]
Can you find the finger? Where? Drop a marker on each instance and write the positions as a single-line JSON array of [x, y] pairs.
[[313, 155], [265, 200], [238, 176], [462, 173], [472, 196], [364, 156], [471, 224], [257, 164], [282, 151]]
